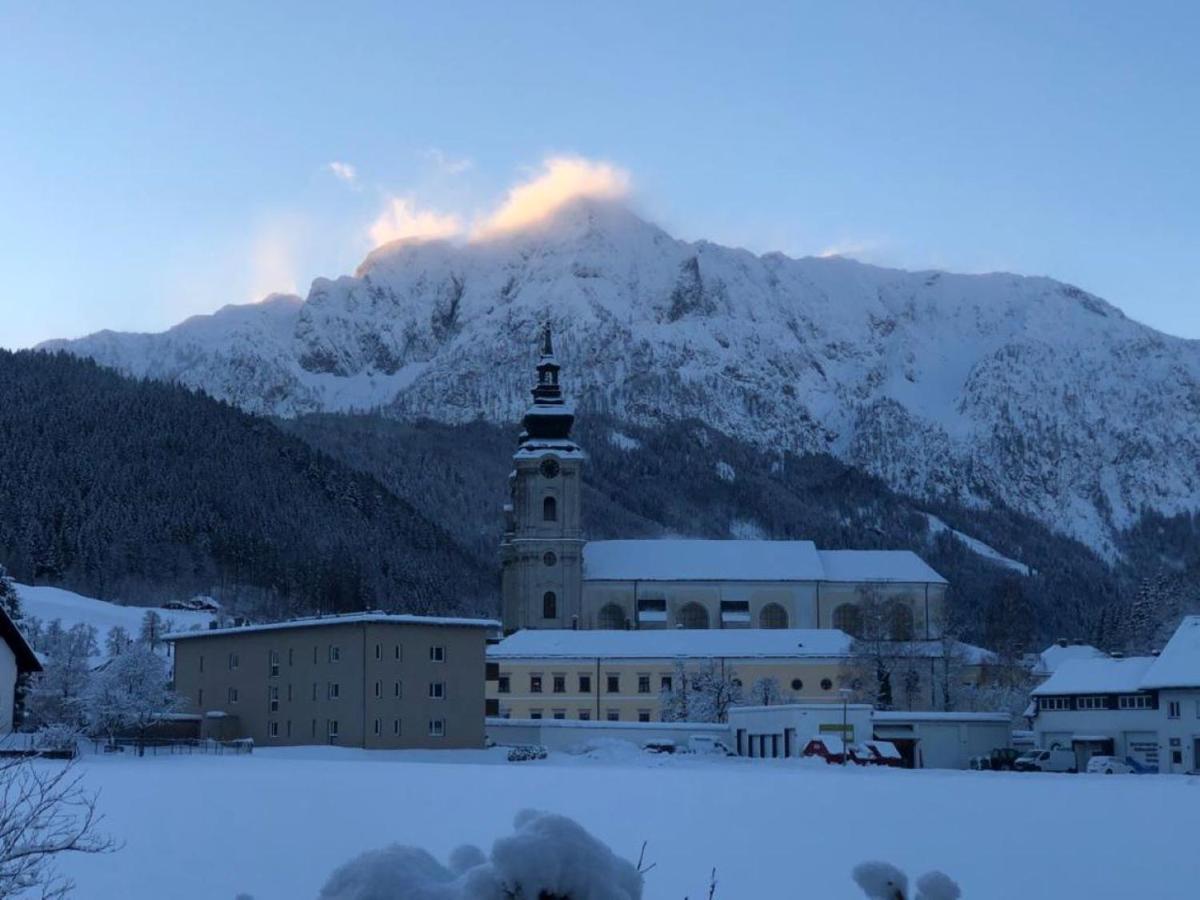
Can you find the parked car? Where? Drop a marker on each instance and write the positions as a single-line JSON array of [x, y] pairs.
[[828, 747], [702, 743], [1056, 760], [663, 746], [1108, 765], [883, 753]]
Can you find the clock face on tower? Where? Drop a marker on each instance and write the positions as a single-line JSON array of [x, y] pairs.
[[549, 467]]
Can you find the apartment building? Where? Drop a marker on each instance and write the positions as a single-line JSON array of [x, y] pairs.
[[371, 680], [620, 676]]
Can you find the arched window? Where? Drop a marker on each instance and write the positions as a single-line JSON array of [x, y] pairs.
[[611, 617], [773, 616], [900, 621], [549, 605], [848, 618], [693, 615], [549, 510]]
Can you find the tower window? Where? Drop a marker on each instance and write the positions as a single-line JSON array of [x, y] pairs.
[[549, 558], [549, 509], [549, 605]]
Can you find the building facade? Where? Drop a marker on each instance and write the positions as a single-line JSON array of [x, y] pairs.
[[552, 579], [16, 659], [1144, 710], [370, 680], [621, 676]]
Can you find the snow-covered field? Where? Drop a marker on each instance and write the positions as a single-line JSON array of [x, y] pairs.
[[274, 825], [48, 603]]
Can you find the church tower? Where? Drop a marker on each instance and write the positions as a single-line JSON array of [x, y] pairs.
[[542, 550]]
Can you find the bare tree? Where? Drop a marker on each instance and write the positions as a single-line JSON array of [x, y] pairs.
[[877, 658], [44, 814]]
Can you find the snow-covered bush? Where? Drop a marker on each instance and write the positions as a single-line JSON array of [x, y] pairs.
[[548, 857], [883, 881], [526, 753], [58, 738]]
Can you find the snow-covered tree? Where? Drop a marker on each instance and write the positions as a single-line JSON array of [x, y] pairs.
[[153, 628], [56, 695], [714, 690], [876, 655], [10, 601], [673, 701], [117, 641], [130, 694], [765, 692]]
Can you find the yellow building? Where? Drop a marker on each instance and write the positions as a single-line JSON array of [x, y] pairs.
[[610, 675]]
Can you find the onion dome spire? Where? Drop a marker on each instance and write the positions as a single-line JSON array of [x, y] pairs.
[[550, 417]]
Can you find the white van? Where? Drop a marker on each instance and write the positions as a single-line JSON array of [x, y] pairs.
[[1057, 760], [702, 743]]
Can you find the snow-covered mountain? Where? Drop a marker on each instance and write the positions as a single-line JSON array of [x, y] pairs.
[[976, 387]]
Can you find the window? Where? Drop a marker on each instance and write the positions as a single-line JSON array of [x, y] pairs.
[[437, 653], [289, 693], [610, 617], [643, 715], [377, 726], [503, 685], [549, 558], [314, 690], [614, 684], [379, 651], [201, 663], [773, 616], [652, 612], [535, 714], [378, 689], [273, 662], [437, 690], [334, 691], [693, 615], [331, 729], [848, 618], [664, 683], [437, 727], [585, 715], [314, 656], [549, 510], [549, 605], [559, 714], [1054, 703], [643, 684], [233, 695], [399, 653], [233, 661], [1092, 703], [335, 653], [273, 696], [735, 614], [200, 698], [273, 729], [291, 658], [797, 684], [560, 684], [826, 684], [535, 684], [1134, 701], [396, 727], [1173, 709], [1177, 757], [585, 684], [314, 727], [289, 727], [613, 715]]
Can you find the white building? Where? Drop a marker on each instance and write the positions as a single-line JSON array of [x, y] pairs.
[[1143, 709], [16, 659]]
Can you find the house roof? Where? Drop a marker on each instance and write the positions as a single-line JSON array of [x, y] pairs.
[[1178, 666], [672, 559], [1055, 655], [680, 643], [27, 659], [1096, 676], [348, 619]]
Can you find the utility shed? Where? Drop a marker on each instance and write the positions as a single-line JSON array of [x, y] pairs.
[[943, 740]]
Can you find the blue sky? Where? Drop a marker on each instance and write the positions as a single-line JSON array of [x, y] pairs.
[[162, 159]]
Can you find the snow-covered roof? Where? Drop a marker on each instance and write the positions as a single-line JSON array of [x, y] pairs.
[[896, 717], [1055, 655], [901, 566], [1178, 666], [348, 619], [672, 643], [1096, 676], [672, 559], [683, 643]]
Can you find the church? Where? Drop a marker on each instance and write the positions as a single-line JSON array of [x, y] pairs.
[[552, 578]]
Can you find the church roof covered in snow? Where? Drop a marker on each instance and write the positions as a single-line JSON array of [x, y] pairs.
[[1178, 666], [672, 559], [1096, 676]]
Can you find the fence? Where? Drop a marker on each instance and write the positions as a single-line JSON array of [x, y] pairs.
[[180, 746]]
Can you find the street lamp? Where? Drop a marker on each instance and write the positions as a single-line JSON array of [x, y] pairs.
[[845, 692]]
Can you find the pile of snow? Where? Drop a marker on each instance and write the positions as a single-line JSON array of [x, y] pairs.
[[548, 856], [50, 603]]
